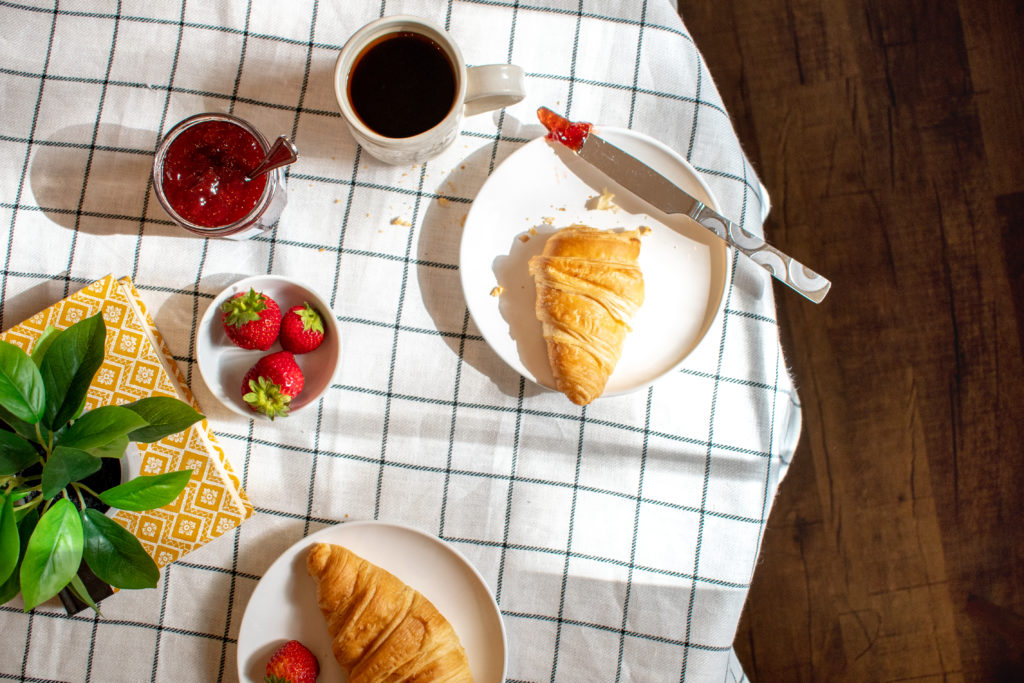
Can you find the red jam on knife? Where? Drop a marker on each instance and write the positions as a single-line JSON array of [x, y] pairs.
[[560, 129], [204, 173]]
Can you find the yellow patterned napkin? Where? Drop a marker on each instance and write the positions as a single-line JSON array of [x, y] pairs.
[[138, 364]]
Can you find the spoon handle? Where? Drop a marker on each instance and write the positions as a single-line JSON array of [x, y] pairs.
[[281, 153]]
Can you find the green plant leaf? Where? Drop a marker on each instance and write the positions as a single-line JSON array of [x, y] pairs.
[[114, 449], [77, 586], [21, 385], [43, 343], [66, 465], [15, 453], [146, 492], [99, 427], [53, 554], [12, 586], [115, 555], [10, 544], [23, 429], [165, 415], [68, 368]]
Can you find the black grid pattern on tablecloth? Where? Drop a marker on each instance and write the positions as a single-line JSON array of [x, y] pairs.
[[558, 630]]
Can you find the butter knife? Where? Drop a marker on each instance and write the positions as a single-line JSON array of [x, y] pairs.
[[663, 194]]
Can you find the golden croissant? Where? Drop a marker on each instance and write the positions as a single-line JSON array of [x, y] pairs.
[[589, 287], [381, 628]]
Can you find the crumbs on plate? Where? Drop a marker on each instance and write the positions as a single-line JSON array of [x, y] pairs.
[[400, 221], [602, 202], [497, 290]]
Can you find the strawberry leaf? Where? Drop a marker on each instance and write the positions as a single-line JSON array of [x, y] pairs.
[[267, 398], [240, 310], [311, 319]]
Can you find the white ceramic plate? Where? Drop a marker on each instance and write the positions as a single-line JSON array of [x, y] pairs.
[[283, 606], [544, 186], [223, 365]]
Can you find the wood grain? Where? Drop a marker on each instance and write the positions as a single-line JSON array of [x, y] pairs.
[[889, 134]]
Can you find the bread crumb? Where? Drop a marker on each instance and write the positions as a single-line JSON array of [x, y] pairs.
[[398, 221], [602, 202], [644, 230], [533, 231], [497, 291], [443, 201], [462, 223], [548, 220], [524, 238]]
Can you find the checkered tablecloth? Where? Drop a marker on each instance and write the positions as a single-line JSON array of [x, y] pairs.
[[619, 540]]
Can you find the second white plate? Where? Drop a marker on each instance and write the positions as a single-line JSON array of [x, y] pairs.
[[543, 187], [283, 606]]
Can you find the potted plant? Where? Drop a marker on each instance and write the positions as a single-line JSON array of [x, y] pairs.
[[51, 451]]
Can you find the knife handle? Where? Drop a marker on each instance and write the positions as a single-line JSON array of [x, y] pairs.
[[784, 268]]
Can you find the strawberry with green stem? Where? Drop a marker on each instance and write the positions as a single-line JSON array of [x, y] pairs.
[[251, 320], [302, 329], [272, 383]]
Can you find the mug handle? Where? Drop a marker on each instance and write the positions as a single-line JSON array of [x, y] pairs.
[[493, 86]]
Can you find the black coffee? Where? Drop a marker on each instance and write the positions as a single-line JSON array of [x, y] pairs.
[[402, 85]]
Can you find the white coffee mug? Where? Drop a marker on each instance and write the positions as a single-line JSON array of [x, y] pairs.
[[477, 89]]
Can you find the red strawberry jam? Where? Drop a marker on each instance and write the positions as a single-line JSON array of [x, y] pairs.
[[560, 129], [204, 173]]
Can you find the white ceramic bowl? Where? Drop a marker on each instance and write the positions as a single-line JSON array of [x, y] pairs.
[[223, 365]]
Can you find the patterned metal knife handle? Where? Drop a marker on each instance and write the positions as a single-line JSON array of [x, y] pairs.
[[784, 268]]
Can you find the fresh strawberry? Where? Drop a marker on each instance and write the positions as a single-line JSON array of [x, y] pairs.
[[302, 329], [292, 663], [272, 383], [251, 320]]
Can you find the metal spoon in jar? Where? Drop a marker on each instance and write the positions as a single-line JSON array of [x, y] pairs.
[[281, 153]]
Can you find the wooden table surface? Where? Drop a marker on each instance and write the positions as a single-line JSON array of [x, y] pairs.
[[889, 135]]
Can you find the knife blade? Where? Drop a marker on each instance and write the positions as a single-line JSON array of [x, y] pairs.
[[663, 194]]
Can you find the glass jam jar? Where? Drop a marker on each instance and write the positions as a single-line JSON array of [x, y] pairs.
[[200, 178]]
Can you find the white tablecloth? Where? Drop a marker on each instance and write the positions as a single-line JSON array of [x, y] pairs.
[[619, 540]]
